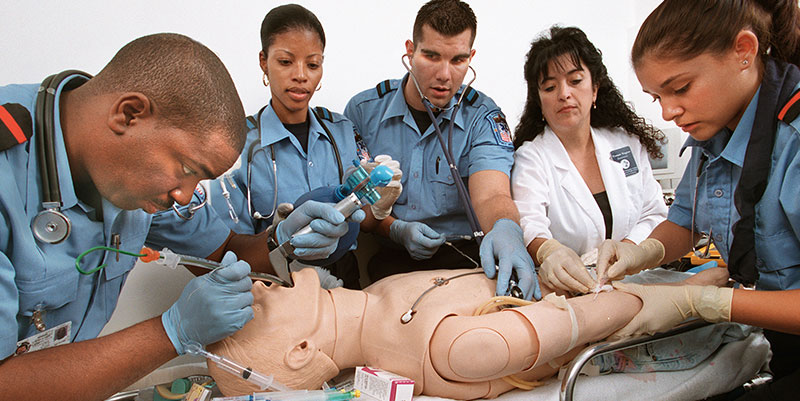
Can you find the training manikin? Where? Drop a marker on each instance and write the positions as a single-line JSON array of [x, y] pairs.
[[305, 335]]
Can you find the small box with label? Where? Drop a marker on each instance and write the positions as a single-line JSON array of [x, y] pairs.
[[383, 385]]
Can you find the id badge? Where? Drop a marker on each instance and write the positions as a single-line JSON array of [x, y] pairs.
[[624, 157], [49, 338]]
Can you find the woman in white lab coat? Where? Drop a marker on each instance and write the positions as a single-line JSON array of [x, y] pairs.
[[581, 171]]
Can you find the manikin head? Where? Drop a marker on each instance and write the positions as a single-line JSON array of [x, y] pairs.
[[440, 52], [299, 322]]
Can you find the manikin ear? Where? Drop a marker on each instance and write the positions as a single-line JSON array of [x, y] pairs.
[[126, 111], [300, 355], [746, 48]]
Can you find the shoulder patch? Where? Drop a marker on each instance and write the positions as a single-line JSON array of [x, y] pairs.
[[502, 134], [16, 125], [361, 147], [384, 87], [791, 109]]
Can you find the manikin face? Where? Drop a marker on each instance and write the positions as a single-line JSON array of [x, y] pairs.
[[294, 69], [701, 95], [567, 94], [153, 165], [440, 64]]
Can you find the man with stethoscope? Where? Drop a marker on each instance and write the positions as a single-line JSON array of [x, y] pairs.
[[396, 117], [85, 161]]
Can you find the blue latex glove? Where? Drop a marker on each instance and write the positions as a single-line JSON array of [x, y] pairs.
[[328, 225], [420, 240], [212, 306], [505, 245]]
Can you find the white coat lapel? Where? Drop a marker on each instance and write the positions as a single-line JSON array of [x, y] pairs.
[[614, 180], [572, 183]]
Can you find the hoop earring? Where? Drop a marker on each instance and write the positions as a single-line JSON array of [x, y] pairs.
[[319, 87], [264, 79]]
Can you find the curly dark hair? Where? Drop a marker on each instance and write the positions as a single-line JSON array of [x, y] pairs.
[[611, 111]]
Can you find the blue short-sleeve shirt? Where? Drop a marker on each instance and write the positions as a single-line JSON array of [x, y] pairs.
[[777, 227], [40, 276], [481, 141], [298, 171]]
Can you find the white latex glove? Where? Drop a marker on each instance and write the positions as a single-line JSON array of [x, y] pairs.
[[562, 268], [389, 194], [615, 259], [664, 306]]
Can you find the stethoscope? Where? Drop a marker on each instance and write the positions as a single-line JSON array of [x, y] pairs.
[[253, 150], [463, 195], [50, 225], [193, 207]]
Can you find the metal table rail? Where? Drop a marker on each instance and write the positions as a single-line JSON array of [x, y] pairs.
[[567, 390]]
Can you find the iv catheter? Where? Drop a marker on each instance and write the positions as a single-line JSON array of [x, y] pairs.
[[170, 259], [263, 382]]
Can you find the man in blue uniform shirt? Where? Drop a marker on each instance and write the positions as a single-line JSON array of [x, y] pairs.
[[394, 121], [161, 116]]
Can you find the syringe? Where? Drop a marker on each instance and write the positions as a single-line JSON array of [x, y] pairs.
[[263, 382], [298, 395], [171, 259]]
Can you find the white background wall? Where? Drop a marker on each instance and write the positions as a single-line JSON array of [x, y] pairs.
[[365, 41]]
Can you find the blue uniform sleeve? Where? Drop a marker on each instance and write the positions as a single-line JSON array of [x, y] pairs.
[[680, 212], [200, 236], [491, 148], [9, 306], [237, 202], [353, 113]]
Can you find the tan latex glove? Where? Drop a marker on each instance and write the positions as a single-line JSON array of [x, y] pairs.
[[389, 194], [562, 268], [664, 306], [615, 259]]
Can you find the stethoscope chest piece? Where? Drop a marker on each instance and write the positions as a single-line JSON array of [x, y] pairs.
[[51, 226]]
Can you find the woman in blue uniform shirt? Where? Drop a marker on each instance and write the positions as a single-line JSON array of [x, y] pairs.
[[305, 148], [726, 73]]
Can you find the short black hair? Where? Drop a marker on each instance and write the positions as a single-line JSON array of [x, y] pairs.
[[186, 82], [448, 17], [287, 17]]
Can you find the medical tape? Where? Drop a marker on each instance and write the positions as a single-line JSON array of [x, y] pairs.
[[561, 302]]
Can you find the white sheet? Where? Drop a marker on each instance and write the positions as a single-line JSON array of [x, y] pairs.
[[733, 364]]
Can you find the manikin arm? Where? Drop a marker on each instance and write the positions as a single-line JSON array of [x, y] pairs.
[[480, 348]]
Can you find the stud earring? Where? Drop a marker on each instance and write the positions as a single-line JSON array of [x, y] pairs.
[[264, 79], [745, 62]]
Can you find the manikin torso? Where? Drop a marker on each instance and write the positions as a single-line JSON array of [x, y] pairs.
[[306, 335]]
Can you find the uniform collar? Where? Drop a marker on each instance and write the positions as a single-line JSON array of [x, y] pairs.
[[731, 147], [553, 144], [398, 107], [68, 196], [273, 131]]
